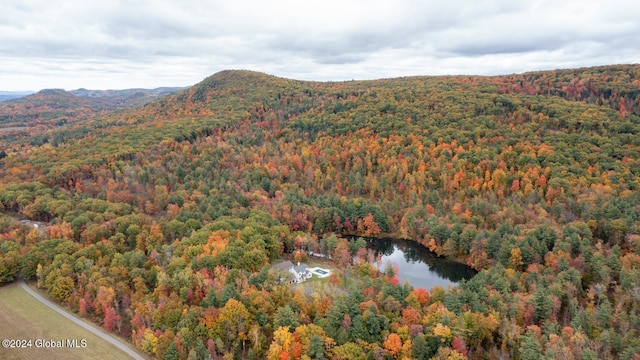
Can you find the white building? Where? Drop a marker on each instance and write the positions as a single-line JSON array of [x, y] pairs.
[[300, 273]]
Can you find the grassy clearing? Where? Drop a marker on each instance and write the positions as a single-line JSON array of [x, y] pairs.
[[316, 280], [23, 317]]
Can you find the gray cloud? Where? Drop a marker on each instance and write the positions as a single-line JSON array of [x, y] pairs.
[[144, 43]]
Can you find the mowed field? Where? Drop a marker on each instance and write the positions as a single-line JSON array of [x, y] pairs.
[[23, 317]]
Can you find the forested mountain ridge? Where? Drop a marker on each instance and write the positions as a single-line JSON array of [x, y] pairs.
[[126, 93], [33, 118], [58, 104], [182, 203], [47, 105]]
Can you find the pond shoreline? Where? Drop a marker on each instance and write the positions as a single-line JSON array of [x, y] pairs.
[[391, 236], [416, 263]]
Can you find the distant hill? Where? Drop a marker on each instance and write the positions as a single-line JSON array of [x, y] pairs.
[[126, 98], [125, 93], [58, 107], [29, 118], [49, 106], [10, 95]]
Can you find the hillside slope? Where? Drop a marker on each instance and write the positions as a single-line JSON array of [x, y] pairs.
[[43, 117], [62, 106]]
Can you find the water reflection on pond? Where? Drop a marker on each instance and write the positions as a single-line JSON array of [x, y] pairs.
[[418, 265]]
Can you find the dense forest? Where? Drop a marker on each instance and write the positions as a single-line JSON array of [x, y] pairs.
[[163, 222], [29, 119]]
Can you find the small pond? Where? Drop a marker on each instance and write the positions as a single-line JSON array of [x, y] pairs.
[[415, 263]]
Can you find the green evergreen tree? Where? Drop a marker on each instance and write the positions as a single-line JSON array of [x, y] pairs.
[[316, 348], [285, 316], [529, 347], [172, 352], [420, 349], [201, 350], [541, 301], [229, 292]]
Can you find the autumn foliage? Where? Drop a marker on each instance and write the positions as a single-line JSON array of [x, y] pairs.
[[161, 223]]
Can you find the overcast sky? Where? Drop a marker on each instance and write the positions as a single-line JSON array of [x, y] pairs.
[[117, 44]]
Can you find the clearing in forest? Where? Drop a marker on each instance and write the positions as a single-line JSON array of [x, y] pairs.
[[24, 318]]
